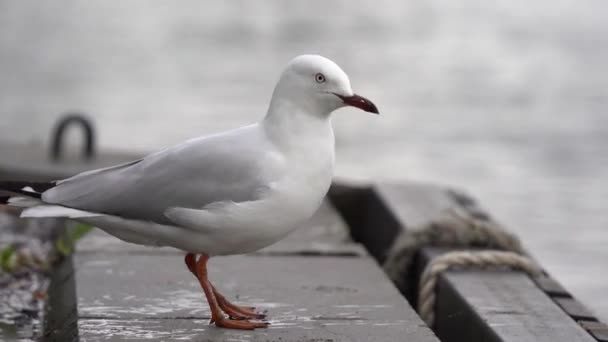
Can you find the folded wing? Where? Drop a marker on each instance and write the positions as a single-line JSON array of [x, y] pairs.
[[234, 166]]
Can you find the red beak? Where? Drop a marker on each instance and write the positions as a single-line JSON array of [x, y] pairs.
[[359, 102]]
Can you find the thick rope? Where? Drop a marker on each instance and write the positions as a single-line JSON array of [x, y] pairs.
[[457, 229], [481, 259]]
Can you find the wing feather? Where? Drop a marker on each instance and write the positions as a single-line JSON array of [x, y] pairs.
[[233, 166]]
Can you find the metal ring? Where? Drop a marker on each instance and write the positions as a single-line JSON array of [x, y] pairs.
[[88, 151]]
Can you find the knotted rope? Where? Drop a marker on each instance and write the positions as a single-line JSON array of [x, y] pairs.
[[454, 230]]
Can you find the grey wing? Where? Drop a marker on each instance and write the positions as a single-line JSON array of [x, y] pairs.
[[236, 166]]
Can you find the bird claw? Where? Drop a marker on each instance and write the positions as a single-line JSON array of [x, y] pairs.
[[260, 316], [240, 324], [236, 312], [239, 317]]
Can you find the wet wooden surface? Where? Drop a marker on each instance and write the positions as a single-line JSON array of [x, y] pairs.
[[306, 298], [376, 216], [61, 316], [490, 305], [316, 285], [500, 306], [26, 253], [470, 305]]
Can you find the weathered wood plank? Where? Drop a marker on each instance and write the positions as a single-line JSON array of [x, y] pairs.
[[501, 305], [574, 308], [471, 306], [377, 214], [29, 244], [415, 204], [551, 286], [60, 319], [307, 298], [316, 284], [32, 162], [596, 329]]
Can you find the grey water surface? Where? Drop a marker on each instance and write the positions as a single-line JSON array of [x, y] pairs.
[[506, 99]]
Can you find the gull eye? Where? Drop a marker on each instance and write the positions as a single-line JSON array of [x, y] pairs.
[[320, 78]]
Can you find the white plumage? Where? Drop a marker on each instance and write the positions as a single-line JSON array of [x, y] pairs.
[[228, 193]]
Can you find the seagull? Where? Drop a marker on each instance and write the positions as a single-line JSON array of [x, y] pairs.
[[228, 193]]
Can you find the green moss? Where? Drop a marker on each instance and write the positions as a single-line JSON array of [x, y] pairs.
[[7, 258], [65, 244]]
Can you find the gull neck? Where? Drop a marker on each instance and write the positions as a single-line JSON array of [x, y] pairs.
[[289, 124]]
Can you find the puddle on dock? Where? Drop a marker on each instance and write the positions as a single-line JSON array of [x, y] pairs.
[[181, 303], [189, 303], [186, 316], [176, 330], [110, 329]]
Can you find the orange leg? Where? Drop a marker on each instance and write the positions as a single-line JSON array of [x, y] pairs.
[[199, 268], [234, 311], [190, 260]]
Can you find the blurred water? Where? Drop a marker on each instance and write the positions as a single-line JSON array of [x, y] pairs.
[[506, 99]]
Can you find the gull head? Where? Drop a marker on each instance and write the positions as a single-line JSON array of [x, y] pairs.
[[317, 85]]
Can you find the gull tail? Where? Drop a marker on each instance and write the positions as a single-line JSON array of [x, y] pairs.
[[29, 189], [23, 194], [52, 210], [28, 195]]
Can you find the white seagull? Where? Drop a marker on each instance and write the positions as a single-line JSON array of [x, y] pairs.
[[229, 193]]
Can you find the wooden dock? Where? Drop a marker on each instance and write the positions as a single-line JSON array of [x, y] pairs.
[[316, 285], [472, 304], [323, 283]]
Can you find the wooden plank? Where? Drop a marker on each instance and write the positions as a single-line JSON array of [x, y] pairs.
[[471, 306], [377, 214], [574, 308], [486, 305], [32, 162], [596, 329], [316, 285], [307, 298], [24, 288], [415, 204], [551, 286], [60, 319]]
